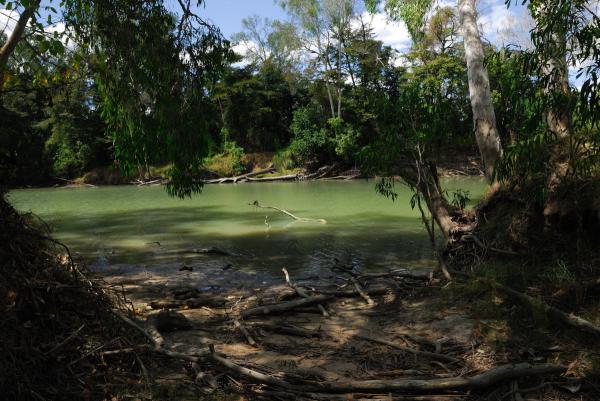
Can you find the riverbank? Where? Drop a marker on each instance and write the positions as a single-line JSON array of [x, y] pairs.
[[257, 167], [399, 334], [211, 329]]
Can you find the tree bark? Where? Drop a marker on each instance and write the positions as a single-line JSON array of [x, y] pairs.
[[484, 118], [16, 35], [424, 178]]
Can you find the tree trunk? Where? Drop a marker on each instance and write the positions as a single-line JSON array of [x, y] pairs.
[[486, 132], [15, 37], [558, 114], [424, 178]]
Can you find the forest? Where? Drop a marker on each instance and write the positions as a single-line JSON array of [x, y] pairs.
[[300, 209]]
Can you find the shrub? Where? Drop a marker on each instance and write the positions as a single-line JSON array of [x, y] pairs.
[[312, 141]]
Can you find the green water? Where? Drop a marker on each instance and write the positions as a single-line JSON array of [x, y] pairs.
[[111, 226]]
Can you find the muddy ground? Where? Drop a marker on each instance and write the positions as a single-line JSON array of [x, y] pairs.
[[412, 327]]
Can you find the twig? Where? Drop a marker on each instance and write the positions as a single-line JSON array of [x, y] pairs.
[[301, 292], [256, 204], [362, 292], [432, 355], [245, 332]]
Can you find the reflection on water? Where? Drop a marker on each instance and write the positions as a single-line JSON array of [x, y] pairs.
[[128, 225]]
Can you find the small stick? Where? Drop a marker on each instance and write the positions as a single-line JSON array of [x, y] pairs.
[[362, 292], [301, 292], [245, 332], [432, 355]]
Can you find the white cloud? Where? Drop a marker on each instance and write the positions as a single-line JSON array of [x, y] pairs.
[[391, 33]]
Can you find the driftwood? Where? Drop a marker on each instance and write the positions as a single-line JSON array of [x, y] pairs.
[[305, 219], [235, 179], [478, 382], [401, 274], [191, 303], [354, 293], [301, 292], [286, 306], [245, 332], [568, 319], [288, 329], [362, 292], [431, 355], [288, 177], [321, 172]]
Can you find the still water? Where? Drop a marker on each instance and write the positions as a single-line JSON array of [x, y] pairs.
[[142, 226]]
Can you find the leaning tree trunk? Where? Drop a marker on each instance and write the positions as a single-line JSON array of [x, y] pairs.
[[486, 132], [9, 47], [423, 177]]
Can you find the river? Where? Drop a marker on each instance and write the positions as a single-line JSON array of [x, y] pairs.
[[137, 227]]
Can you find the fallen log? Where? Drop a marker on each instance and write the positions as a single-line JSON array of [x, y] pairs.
[[191, 303], [479, 382], [288, 329], [301, 292], [431, 355], [256, 204], [245, 332], [288, 177], [354, 293], [402, 274], [235, 179], [286, 306], [362, 292], [570, 320]]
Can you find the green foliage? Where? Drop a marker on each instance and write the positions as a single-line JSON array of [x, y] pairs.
[[412, 12], [312, 141], [284, 160], [386, 187], [235, 154], [460, 198], [153, 74], [256, 106], [77, 142]]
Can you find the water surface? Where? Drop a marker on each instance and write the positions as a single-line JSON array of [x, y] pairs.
[[124, 225]]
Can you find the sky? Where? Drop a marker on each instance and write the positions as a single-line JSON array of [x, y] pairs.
[[495, 19]]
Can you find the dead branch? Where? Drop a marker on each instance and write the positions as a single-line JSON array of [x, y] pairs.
[[570, 320], [235, 179], [288, 329], [431, 355], [478, 382], [286, 306], [305, 219], [362, 292], [245, 332], [301, 292], [288, 177], [354, 293]]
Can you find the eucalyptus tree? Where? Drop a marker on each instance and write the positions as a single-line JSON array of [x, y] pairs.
[[152, 65], [269, 41], [565, 36], [484, 117], [324, 28]]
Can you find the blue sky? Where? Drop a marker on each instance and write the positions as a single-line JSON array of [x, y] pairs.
[[228, 14], [495, 18]]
